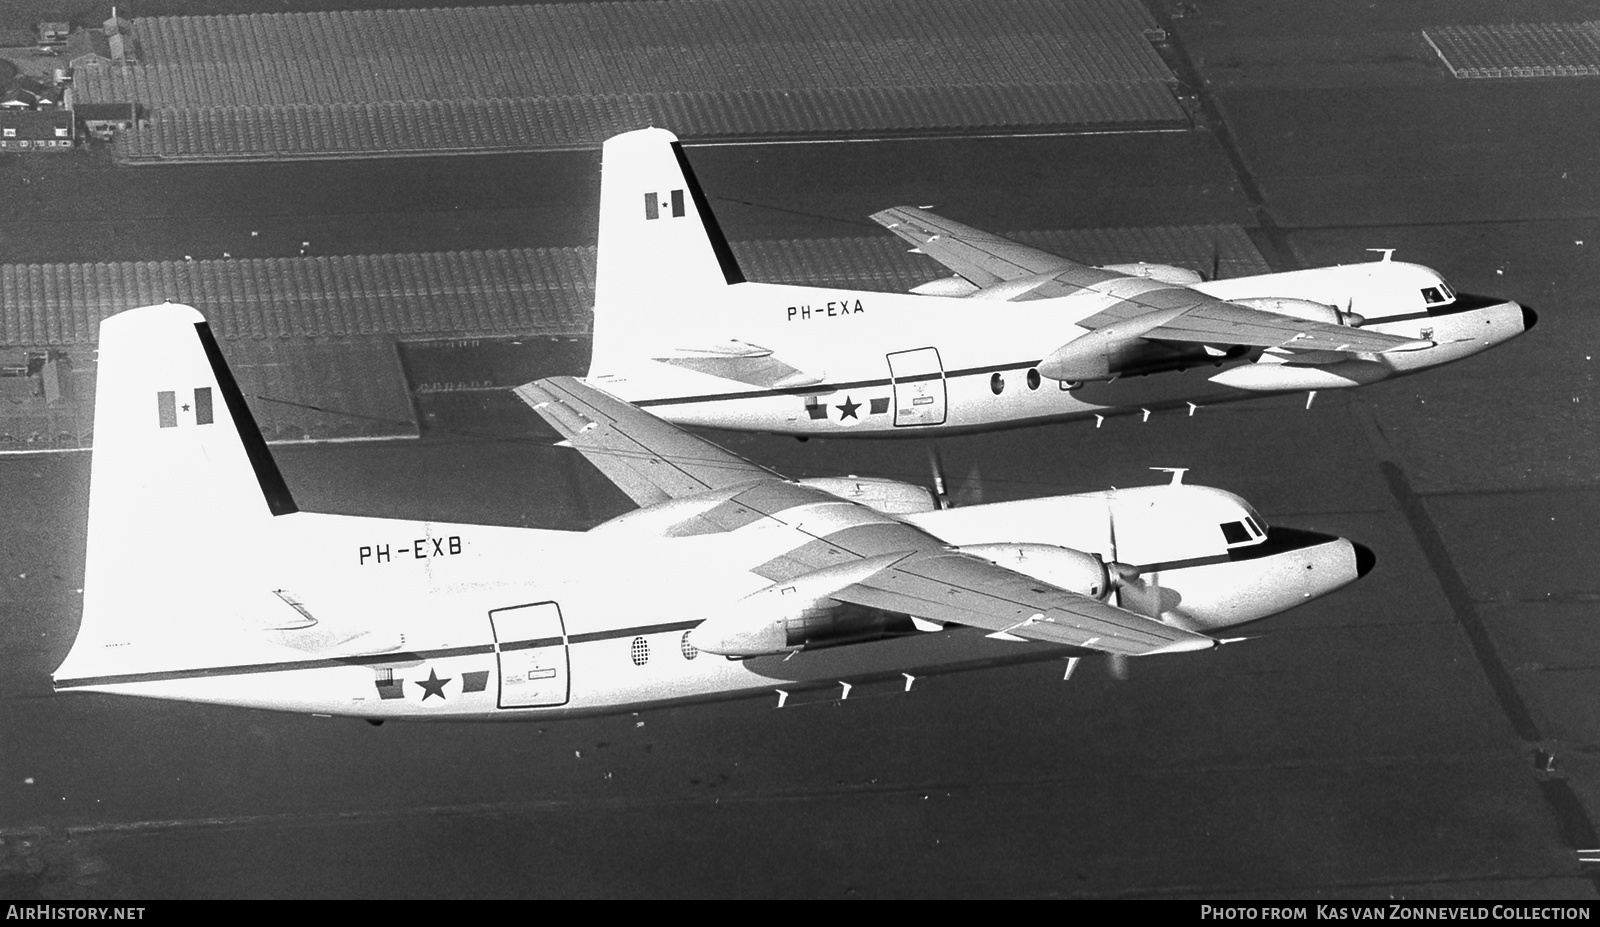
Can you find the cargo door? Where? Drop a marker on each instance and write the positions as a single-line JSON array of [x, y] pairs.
[[530, 644], [918, 379]]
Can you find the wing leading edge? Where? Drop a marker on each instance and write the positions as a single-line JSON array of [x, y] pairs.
[[981, 257], [647, 458]]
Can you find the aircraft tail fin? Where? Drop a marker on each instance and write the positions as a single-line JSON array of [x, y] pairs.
[[659, 244], [182, 485]]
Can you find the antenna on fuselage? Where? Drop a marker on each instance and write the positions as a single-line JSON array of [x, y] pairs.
[[1177, 474], [1388, 253]]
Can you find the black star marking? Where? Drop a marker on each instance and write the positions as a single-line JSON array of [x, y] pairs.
[[186, 407], [848, 410], [433, 685]]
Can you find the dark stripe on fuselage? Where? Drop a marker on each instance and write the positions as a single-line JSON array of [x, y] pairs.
[[1464, 302], [1277, 541], [376, 659], [529, 644], [831, 387], [276, 491], [248, 669], [632, 632]]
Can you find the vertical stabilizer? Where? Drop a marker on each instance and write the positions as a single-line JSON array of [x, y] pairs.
[[181, 484], [659, 246]]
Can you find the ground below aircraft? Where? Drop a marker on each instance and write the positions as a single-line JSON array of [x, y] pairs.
[[1017, 336], [205, 582]]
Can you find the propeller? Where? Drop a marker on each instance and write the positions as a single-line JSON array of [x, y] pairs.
[[1133, 592], [1130, 588], [1349, 317], [941, 494]]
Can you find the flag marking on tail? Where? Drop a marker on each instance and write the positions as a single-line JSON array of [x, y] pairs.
[[654, 201], [197, 412]]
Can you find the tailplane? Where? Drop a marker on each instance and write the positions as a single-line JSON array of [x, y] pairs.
[[659, 246], [182, 486]]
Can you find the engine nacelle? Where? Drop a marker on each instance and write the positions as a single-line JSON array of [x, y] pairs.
[[891, 497], [1062, 567], [1260, 377], [1163, 273], [1301, 309], [791, 614], [1008, 290], [946, 286]]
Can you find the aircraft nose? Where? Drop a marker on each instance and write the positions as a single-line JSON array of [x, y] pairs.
[[1529, 319], [1365, 559]]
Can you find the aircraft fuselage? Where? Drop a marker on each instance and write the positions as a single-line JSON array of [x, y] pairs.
[[889, 364], [444, 634]]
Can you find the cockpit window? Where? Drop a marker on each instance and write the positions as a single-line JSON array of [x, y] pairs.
[[1238, 533], [1438, 295]]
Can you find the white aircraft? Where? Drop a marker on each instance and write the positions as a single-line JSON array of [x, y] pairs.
[[204, 582], [1017, 336]]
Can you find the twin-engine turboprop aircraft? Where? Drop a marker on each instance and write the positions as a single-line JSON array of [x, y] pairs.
[[1017, 336], [204, 581]]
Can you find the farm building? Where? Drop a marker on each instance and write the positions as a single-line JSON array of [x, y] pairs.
[[36, 130]]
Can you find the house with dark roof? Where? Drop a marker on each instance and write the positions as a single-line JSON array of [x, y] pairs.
[[52, 29], [27, 130]]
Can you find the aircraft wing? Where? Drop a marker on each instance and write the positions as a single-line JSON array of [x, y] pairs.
[[949, 586], [1218, 322], [981, 257], [649, 459], [904, 569], [986, 259]]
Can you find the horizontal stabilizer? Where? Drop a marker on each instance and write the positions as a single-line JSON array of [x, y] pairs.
[[742, 363]]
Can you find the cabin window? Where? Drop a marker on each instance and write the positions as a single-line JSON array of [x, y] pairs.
[[1033, 378], [997, 384]]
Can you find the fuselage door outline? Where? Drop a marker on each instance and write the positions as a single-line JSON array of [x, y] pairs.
[[919, 388], [531, 655]]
